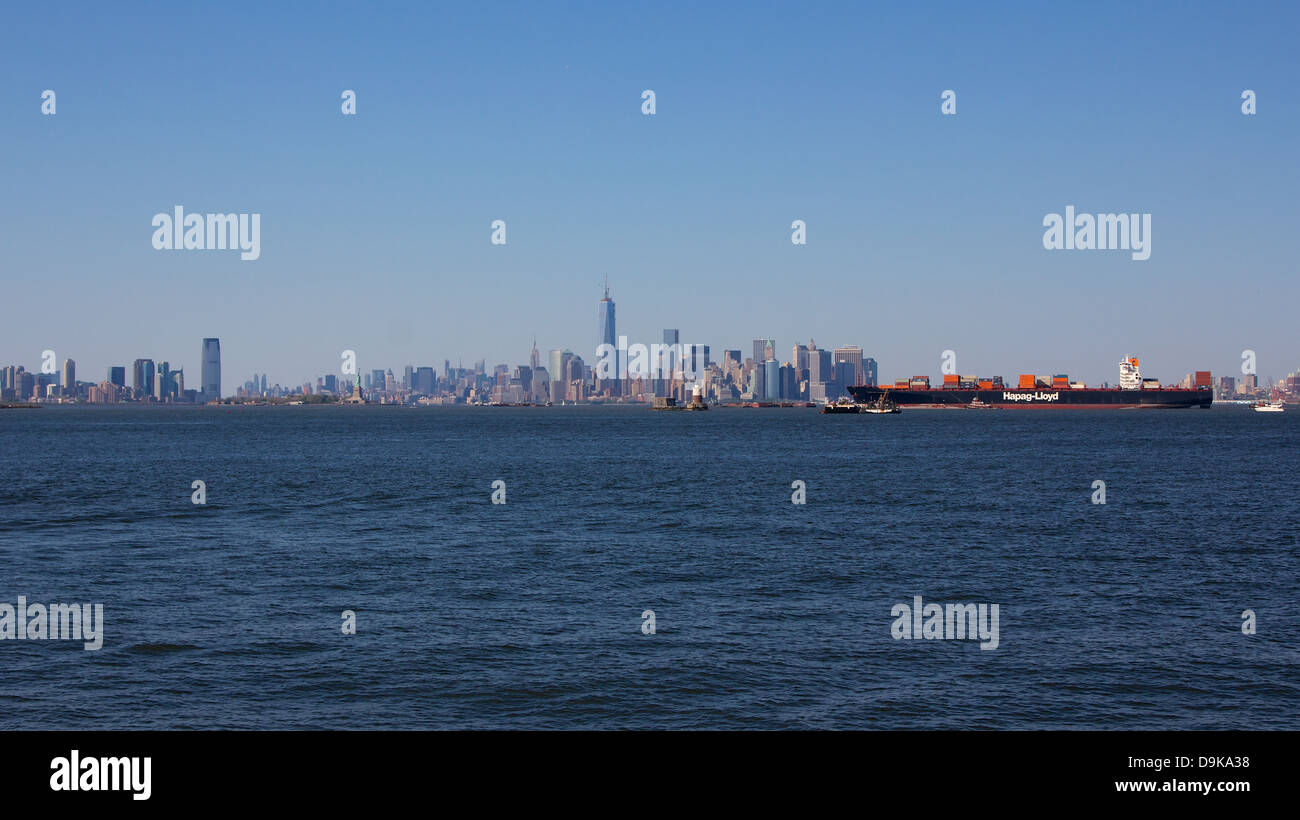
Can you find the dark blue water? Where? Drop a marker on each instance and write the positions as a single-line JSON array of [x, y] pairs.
[[769, 615]]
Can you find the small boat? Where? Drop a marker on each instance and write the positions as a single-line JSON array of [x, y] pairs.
[[1274, 406], [976, 404], [841, 406], [882, 406]]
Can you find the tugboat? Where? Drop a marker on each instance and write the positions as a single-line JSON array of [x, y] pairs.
[[976, 404]]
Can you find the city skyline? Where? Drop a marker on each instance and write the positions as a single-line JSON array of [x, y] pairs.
[[810, 374], [924, 231], [607, 333]]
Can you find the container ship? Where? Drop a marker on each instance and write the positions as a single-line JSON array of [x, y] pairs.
[[1042, 391]]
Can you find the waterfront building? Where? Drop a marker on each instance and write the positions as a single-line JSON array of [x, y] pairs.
[[162, 381], [69, 378], [142, 378], [210, 370]]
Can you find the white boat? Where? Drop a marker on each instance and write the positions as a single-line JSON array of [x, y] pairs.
[[881, 407], [1274, 406]]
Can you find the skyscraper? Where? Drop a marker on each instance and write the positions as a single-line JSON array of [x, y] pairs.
[[560, 362], [162, 381], [605, 335], [117, 376], [694, 361], [800, 364], [210, 371], [869, 372], [800, 357], [558, 372], [142, 378], [425, 380], [667, 363], [846, 374], [852, 355], [69, 377], [789, 387], [764, 349], [820, 375]]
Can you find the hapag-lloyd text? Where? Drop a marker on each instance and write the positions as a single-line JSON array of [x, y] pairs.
[[1038, 396]]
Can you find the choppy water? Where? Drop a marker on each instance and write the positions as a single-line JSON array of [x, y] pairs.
[[769, 614]]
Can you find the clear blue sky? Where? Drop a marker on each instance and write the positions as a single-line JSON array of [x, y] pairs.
[[924, 231]]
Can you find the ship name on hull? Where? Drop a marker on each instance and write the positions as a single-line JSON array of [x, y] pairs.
[[1036, 396]]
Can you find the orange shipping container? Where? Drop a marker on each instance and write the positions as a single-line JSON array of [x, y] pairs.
[[1026, 379]]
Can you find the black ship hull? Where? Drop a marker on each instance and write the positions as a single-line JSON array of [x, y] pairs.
[[1082, 398]]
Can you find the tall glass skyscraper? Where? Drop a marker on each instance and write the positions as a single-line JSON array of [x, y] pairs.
[[667, 362], [142, 378], [605, 335], [764, 349], [210, 374]]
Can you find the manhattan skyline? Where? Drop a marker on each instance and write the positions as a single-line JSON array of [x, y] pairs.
[[923, 230]]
